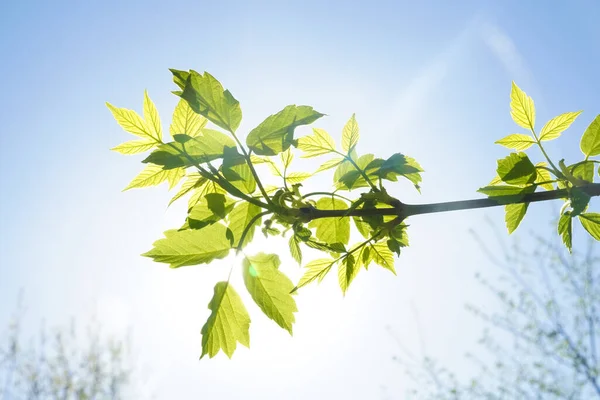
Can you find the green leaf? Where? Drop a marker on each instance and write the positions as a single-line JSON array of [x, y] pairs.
[[179, 77], [590, 141], [579, 201], [543, 175], [186, 121], [514, 215], [381, 255], [295, 250], [347, 271], [276, 133], [399, 164], [270, 288], [317, 144], [237, 172], [516, 169], [134, 147], [591, 223], [153, 175], [516, 141], [347, 177], [227, 324], [316, 269], [202, 190], [332, 230], [501, 190], [583, 170], [522, 108], [239, 218], [334, 162], [152, 119], [202, 214], [565, 229], [286, 158], [350, 135], [191, 247], [293, 178], [131, 122], [363, 227], [193, 181], [206, 97], [557, 125]]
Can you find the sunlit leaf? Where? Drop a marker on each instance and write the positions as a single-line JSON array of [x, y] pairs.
[[193, 181], [514, 215], [516, 141], [270, 288], [202, 190], [239, 219], [591, 223], [227, 324], [131, 122], [583, 170], [206, 97], [134, 146], [347, 271], [332, 230], [316, 269], [276, 133], [557, 125], [295, 251], [287, 157], [186, 121], [191, 247], [565, 229], [296, 177], [152, 119], [501, 190], [319, 143], [153, 175], [334, 162], [516, 169], [381, 255], [579, 201], [350, 135], [522, 108], [543, 175], [212, 208], [590, 141]]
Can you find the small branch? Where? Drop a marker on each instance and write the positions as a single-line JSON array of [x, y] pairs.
[[408, 210]]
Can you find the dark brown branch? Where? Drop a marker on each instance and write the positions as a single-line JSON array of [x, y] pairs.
[[407, 210]]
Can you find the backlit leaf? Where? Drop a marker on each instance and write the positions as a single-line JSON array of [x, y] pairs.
[[516, 169], [522, 108], [227, 324], [295, 250], [316, 269], [202, 190], [134, 146], [296, 177], [347, 271], [186, 121], [591, 223], [514, 215], [276, 133], [270, 288], [152, 119], [590, 141], [206, 97], [131, 122], [583, 170], [332, 230], [286, 158], [334, 162], [191, 247], [543, 175], [516, 141], [557, 125], [350, 135], [153, 175], [565, 229], [381, 255], [239, 218], [319, 143], [194, 180]]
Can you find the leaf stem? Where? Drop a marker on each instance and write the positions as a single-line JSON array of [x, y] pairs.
[[326, 194], [539, 143], [247, 229]]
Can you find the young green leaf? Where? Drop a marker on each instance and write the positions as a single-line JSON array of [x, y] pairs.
[[276, 133], [134, 146], [193, 181], [316, 269], [202, 190], [286, 158], [317, 144], [557, 125], [591, 223], [382, 256], [191, 247], [583, 170], [334, 162], [522, 108], [206, 97], [131, 122], [579, 201], [239, 219], [295, 250], [332, 230], [186, 121], [514, 215], [590, 141], [565, 229], [179, 77], [347, 271], [270, 288], [543, 175], [350, 135], [227, 324], [212, 208], [153, 175], [152, 119], [516, 141], [516, 169], [293, 178]]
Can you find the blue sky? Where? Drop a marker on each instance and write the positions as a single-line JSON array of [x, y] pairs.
[[430, 79]]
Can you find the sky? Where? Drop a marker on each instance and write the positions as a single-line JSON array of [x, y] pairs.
[[430, 79]]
